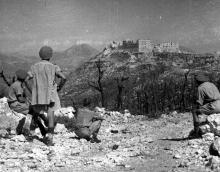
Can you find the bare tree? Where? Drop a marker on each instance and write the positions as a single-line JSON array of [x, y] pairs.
[[97, 85], [120, 86]]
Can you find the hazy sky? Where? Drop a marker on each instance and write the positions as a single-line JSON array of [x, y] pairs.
[[26, 25]]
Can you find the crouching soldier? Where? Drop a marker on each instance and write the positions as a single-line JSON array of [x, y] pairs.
[[19, 101], [88, 123], [208, 100], [16, 96]]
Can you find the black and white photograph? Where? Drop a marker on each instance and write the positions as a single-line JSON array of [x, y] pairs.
[[109, 85]]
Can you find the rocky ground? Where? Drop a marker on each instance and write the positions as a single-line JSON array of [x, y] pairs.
[[129, 143]]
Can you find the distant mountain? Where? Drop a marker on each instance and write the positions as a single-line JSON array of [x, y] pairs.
[[68, 59], [74, 56], [11, 63]]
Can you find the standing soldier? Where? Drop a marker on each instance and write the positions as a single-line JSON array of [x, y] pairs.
[[44, 88]]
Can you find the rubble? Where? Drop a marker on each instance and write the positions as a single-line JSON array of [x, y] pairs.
[[9, 120], [212, 124], [128, 142]]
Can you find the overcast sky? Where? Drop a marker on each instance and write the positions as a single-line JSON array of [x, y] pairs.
[[28, 24]]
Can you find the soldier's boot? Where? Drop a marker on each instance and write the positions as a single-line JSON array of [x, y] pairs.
[[27, 125]]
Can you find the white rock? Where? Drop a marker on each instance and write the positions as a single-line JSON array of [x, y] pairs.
[[202, 118], [19, 138], [174, 113], [60, 128], [214, 122], [208, 136], [60, 164], [3, 133], [177, 156], [127, 113], [217, 120], [75, 152], [37, 132], [65, 112], [12, 132], [4, 108], [205, 129]]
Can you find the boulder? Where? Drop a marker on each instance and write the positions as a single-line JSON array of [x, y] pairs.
[[208, 136], [205, 129], [215, 147], [65, 112], [214, 123], [19, 138], [60, 128], [4, 108], [10, 120], [211, 124], [127, 113], [3, 133]]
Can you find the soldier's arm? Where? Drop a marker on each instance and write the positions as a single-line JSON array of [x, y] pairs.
[[21, 99], [18, 90], [29, 77], [62, 81], [200, 96]]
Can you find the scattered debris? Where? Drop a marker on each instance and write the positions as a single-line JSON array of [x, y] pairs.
[[128, 142]]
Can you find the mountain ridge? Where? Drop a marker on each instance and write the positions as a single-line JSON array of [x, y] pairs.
[[68, 59]]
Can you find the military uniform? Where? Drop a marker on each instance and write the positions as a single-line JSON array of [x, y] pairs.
[[88, 123], [208, 98], [15, 90]]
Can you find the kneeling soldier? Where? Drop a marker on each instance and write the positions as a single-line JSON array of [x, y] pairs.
[[208, 100], [88, 123]]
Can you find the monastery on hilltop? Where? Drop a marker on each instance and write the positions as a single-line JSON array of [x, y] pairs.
[[143, 46]]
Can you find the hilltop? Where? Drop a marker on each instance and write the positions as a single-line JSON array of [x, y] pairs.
[[135, 82]]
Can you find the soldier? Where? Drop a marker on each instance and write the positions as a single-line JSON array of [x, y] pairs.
[[44, 88], [208, 100], [16, 96], [19, 101], [88, 123]]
